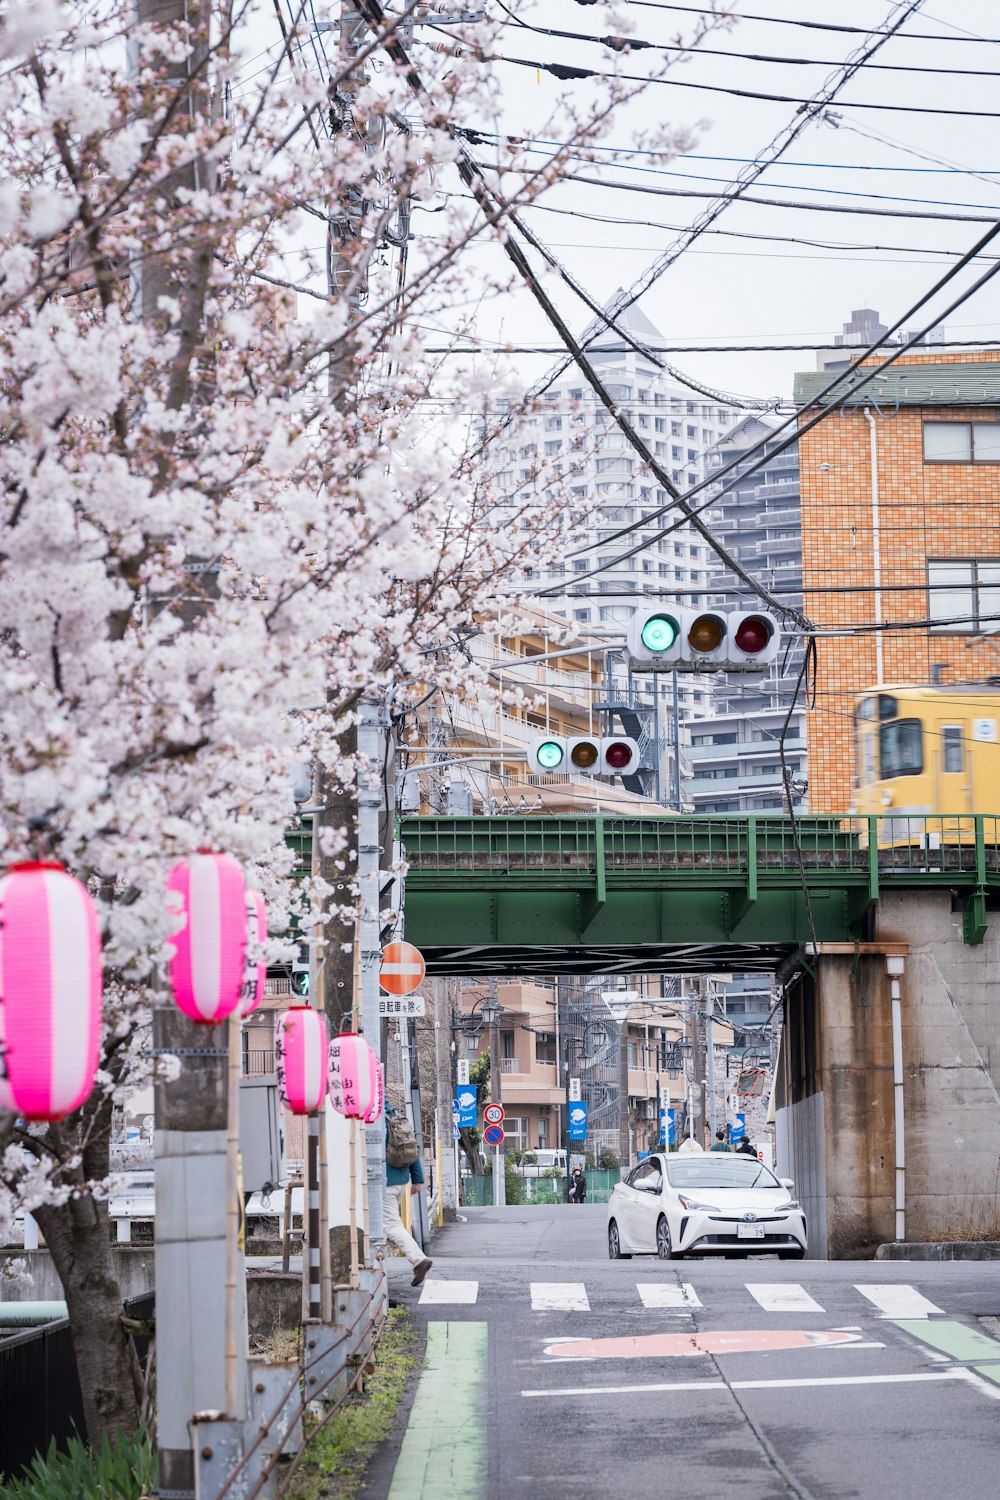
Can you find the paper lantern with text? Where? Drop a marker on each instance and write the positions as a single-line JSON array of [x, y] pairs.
[[357, 1087], [50, 991], [207, 968], [300, 1051], [255, 972]]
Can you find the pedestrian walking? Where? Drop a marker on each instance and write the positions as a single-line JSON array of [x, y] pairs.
[[721, 1142], [578, 1186], [745, 1149], [402, 1166]]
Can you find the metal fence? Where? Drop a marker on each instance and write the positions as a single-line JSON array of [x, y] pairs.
[[40, 1395], [477, 1191]]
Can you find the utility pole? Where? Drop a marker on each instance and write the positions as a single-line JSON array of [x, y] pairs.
[[199, 1267], [624, 1153], [710, 1060], [496, 1087]]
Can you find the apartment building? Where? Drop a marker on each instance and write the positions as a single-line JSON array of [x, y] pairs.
[[901, 541], [575, 436], [735, 750]]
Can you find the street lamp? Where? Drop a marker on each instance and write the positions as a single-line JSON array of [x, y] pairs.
[[599, 1040]]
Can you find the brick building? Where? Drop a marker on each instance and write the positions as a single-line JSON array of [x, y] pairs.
[[900, 542]]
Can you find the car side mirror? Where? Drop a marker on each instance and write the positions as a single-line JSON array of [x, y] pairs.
[[788, 1182]]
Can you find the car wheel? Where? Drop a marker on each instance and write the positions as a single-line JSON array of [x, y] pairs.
[[664, 1247], [799, 1254], [615, 1251]]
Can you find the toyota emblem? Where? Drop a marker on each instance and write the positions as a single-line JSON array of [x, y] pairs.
[[749, 1218]]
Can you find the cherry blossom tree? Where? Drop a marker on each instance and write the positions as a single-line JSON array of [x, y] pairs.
[[238, 495]]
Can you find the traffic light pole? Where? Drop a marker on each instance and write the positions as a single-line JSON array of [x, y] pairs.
[[369, 855]]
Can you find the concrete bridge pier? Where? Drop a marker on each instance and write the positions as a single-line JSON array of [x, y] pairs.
[[867, 1128]]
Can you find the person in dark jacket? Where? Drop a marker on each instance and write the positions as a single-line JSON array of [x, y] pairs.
[[578, 1186], [745, 1149], [396, 1180]]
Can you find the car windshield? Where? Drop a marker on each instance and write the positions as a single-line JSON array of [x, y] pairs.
[[720, 1172]]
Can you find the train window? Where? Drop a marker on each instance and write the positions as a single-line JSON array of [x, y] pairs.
[[952, 747], [867, 759], [888, 708], [866, 708], [901, 749]]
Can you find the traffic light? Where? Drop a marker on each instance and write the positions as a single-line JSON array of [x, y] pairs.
[[619, 756], [586, 754], [670, 638]]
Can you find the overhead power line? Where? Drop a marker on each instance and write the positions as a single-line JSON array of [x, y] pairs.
[[864, 376], [698, 49], [745, 179], [910, 36], [494, 347]]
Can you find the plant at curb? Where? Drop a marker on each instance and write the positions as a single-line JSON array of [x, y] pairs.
[[339, 1449], [126, 1471]]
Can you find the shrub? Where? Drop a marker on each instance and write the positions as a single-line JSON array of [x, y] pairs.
[[608, 1160], [124, 1472]]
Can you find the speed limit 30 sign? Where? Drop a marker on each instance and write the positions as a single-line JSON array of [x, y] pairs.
[[493, 1114]]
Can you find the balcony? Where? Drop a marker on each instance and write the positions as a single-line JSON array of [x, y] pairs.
[[510, 1065]]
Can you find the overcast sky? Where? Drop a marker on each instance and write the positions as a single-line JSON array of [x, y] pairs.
[[730, 290]]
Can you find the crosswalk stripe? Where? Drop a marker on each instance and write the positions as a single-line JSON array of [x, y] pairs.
[[439, 1292], [559, 1296], [898, 1301], [659, 1294], [782, 1296]]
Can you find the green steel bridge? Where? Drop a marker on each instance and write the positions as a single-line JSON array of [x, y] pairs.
[[675, 894]]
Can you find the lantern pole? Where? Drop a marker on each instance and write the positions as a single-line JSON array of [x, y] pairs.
[[370, 796], [233, 1214]]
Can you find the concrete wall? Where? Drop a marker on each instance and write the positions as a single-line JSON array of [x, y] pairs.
[[835, 1107], [36, 1278]]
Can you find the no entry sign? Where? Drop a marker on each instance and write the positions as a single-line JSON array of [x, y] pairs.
[[493, 1114], [402, 969]]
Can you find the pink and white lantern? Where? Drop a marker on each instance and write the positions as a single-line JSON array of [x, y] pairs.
[[50, 991], [255, 973], [300, 1050], [357, 1083], [207, 969]]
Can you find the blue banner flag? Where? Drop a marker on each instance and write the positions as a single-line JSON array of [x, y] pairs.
[[667, 1118], [577, 1121], [464, 1110], [738, 1131]]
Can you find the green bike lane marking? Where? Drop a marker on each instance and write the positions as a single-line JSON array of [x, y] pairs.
[[443, 1456], [967, 1345]]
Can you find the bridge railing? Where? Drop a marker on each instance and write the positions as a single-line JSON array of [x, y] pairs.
[[561, 847]]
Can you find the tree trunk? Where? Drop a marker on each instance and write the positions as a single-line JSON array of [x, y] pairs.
[[78, 1239]]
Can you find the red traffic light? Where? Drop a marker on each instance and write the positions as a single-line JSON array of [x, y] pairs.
[[618, 755], [753, 634]]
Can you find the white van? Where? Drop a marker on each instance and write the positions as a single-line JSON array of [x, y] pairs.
[[546, 1161]]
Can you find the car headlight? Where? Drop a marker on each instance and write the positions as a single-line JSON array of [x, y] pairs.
[[784, 1208], [708, 1208]]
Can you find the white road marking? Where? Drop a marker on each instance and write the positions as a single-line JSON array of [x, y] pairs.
[[782, 1296], [450, 1291], [898, 1301], [660, 1294], [759, 1385], [559, 1296]]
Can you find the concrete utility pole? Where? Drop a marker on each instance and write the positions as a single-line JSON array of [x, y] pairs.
[[199, 1267], [496, 1086], [710, 1060], [624, 1151]]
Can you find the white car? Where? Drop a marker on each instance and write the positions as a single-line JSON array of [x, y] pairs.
[[716, 1203]]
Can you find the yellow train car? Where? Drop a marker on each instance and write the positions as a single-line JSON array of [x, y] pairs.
[[927, 752]]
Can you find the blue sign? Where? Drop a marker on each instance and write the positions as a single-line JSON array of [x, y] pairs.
[[667, 1121], [738, 1131], [577, 1121], [463, 1110]]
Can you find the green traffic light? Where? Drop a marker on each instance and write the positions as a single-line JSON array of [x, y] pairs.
[[549, 754], [659, 633]]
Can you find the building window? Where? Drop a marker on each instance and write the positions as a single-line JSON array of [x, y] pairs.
[[961, 442], [545, 1047], [963, 594]]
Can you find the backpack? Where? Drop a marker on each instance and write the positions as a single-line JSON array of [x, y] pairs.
[[401, 1148]]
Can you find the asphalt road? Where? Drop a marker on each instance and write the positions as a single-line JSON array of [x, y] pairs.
[[553, 1372]]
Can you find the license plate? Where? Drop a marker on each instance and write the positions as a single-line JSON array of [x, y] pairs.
[[749, 1231]]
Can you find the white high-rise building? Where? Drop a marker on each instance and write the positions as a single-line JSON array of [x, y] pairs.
[[574, 430]]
